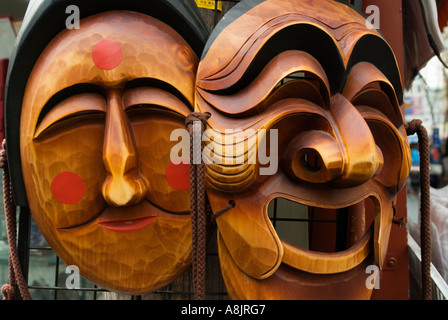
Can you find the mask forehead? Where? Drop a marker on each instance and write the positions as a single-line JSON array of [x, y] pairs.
[[253, 17], [242, 45]]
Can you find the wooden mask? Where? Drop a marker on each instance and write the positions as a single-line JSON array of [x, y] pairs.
[[314, 83], [98, 110]]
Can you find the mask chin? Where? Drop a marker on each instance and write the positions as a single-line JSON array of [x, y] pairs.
[[288, 283]]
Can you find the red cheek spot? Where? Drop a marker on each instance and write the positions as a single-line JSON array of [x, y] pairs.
[[178, 174], [107, 54], [68, 188]]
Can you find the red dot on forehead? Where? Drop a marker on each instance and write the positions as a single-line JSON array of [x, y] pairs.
[[178, 174], [107, 54], [68, 187]]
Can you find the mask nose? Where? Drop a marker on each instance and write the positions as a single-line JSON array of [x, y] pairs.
[[124, 184], [349, 157]]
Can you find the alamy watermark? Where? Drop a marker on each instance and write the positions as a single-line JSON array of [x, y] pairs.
[[373, 17], [72, 21], [73, 280], [74, 17], [373, 280]]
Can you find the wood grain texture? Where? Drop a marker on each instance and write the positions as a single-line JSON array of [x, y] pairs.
[[340, 140], [109, 123], [292, 284]]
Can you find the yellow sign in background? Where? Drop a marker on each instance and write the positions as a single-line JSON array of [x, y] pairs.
[[208, 4]]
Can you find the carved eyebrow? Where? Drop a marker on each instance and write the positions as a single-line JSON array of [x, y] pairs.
[[64, 94], [363, 80], [74, 105], [261, 89], [156, 83], [375, 50], [261, 48], [94, 88]]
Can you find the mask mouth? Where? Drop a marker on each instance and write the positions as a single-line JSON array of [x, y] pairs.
[[321, 240]]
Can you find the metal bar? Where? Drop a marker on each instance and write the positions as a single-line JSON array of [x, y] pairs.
[[57, 288], [56, 278], [306, 220], [215, 14], [40, 248], [188, 292], [94, 292], [24, 240], [310, 227], [440, 287], [274, 222], [341, 229], [357, 4]]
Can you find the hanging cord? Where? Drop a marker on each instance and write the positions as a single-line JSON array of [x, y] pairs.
[[415, 126], [230, 205], [196, 123], [16, 277]]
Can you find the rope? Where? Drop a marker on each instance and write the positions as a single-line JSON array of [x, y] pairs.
[[415, 126], [229, 206], [16, 277], [401, 222], [197, 200]]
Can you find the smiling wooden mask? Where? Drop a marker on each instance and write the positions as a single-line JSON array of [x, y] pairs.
[[317, 85], [97, 113]]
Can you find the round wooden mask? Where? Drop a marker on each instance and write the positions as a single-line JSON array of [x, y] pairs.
[[305, 102], [97, 114]]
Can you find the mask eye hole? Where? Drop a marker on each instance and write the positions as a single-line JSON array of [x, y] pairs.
[[311, 161]]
